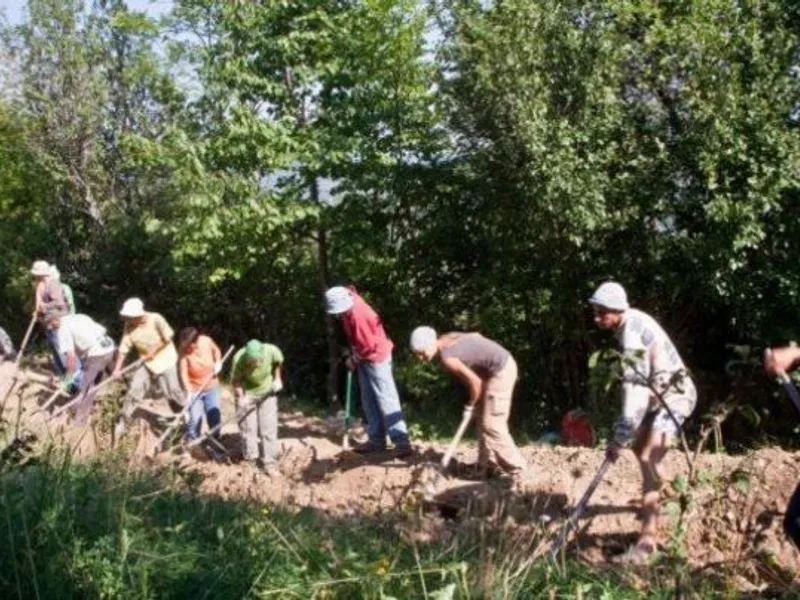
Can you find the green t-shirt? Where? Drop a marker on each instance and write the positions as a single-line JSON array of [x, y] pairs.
[[256, 380]]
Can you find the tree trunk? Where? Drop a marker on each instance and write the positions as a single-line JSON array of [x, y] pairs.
[[332, 382]]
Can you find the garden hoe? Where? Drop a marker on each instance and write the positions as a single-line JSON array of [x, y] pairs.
[[16, 376], [579, 509], [429, 489], [92, 390]]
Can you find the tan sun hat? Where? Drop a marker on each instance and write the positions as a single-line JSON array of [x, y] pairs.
[[40, 269]]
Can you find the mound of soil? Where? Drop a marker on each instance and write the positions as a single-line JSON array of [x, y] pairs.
[[729, 521]]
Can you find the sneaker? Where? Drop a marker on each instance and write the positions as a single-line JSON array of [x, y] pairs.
[[271, 470], [641, 553], [368, 448], [403, 451]]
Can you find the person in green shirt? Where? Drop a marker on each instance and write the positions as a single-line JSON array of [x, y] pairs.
[[256, 380]]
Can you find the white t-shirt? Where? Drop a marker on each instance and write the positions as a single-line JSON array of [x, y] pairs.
[[650, 361], [83, 336]]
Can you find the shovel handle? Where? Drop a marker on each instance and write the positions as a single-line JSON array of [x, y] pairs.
[[348, 403], [25, 342], [462, 427], [579, 509], [95, 388]]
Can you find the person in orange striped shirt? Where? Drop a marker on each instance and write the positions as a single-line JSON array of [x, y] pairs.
[[199, 364]]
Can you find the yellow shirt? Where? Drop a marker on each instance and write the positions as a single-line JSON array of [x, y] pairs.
[[146, 337]]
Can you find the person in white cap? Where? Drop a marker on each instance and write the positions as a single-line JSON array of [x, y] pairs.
[[151, 336], [82, 341], [49, 296], [654, 376], [490, 374], [371, 359]]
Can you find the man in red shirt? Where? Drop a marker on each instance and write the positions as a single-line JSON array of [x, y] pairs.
[[371, 359]]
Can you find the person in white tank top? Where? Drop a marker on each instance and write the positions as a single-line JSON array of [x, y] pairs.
[[658, 395]]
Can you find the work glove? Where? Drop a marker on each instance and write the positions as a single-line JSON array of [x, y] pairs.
[[277, 386], [351, 363], [217, 367]]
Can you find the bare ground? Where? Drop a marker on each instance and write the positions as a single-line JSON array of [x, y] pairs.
[[730, 522]]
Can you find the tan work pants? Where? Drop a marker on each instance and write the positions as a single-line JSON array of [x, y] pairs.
[[496, 447]]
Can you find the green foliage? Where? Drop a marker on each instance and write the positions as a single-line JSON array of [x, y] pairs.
[[471, 165]]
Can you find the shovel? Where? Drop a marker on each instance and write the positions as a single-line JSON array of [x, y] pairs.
[[94, 389], [579, 509], [346, 450], [430, 487]]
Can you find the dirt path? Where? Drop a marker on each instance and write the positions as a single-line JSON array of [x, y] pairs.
[[733, 516]]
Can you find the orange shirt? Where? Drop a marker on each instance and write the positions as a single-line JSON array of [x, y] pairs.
[[199, 364]]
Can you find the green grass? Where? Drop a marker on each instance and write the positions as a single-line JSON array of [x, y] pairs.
[[104, 530]]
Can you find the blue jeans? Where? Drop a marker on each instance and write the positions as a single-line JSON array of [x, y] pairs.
[[207, 403], [58, 358], [381, 404]]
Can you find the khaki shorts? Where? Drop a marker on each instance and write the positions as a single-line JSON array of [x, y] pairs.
[[681, 405]]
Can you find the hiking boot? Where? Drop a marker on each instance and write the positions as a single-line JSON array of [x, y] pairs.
[[368, 448]]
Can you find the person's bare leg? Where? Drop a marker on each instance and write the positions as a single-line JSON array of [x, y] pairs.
[[650, 447]]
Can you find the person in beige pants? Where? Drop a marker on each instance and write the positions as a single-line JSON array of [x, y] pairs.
[[490, 374]]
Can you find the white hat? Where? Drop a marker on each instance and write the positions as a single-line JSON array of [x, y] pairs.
[[55, 273], [610, 295], [132, 308], [338, 300], [40, 269], [422, 338]]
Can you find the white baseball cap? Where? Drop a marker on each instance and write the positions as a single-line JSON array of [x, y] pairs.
[[133, 307], [610, 295], [422, 338]]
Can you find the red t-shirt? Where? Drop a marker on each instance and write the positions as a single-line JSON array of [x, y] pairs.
[[365, 332]]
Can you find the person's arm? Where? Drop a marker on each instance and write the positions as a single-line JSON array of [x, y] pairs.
[[165, 332], [779, 361], [236, 376], [277, 381], [66, 345], [363, 330], [38, 304], [183, 372], [635, 391], [124, 348], [470, 378]]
